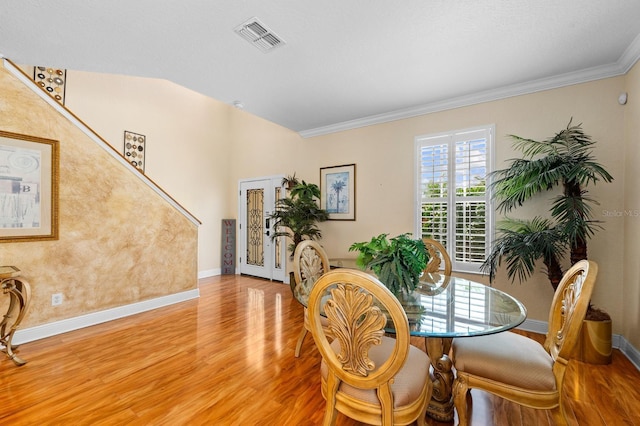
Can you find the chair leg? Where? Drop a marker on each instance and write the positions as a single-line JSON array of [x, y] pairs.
[[558, 415], [330, 411], [301, 337], [460, 390]]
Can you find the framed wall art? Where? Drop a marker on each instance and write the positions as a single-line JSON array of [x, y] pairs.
[[338, 191], [28, 188]]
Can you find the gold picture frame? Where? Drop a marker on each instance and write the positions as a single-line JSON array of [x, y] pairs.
[[29, 173], [338, 191]]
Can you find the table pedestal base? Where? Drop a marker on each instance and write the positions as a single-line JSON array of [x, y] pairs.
[[441, 404], [19, 295]]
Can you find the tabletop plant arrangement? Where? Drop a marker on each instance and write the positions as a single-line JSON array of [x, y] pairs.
[[398, 262], [565, 160]]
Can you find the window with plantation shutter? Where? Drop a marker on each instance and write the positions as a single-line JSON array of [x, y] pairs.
[[452, 193]]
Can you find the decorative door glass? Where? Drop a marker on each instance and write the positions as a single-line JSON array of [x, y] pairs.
[[255, 227]]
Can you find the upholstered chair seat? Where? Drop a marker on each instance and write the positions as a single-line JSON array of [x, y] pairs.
[[408, 384], [520, 361]]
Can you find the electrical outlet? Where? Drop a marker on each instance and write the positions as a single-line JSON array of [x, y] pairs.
[[56, 299]]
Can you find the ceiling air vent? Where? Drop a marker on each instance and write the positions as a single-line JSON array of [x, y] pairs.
[[256, 33]]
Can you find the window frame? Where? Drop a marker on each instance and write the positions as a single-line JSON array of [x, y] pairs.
[[451, 137]]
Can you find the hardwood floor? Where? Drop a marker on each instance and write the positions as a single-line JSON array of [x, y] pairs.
[[227, 359]]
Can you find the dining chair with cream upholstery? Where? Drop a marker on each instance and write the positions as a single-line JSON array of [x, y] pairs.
[[310, 261], [365, 375], [520, 369]]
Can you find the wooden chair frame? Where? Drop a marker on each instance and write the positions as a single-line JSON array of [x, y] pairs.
[[568, 309], [357, 323], [431, 274], [310, 261], [437, 255]]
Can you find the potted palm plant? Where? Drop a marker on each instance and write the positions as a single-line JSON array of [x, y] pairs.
[[565, 160], [297, 216]]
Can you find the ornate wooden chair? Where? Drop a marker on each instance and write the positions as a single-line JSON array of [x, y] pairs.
[[366, 375], [435, 273], [310, 261], [437, 256], [519, 369]]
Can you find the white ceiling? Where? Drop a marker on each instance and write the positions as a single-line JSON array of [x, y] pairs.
[[346, 63]]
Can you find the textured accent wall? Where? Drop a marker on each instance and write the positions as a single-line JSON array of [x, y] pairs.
[[120, 242]]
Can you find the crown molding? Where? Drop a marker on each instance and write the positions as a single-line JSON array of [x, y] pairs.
[[630, 56], [621, 67]]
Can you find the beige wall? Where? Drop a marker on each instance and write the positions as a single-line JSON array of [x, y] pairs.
[[120, 242], [197, 148], [188, 142], [384, 158], [631, 266], [200, 148]]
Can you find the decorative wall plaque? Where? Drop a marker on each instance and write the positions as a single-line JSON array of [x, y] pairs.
[[53, 80], [135, 149], [228, 247]]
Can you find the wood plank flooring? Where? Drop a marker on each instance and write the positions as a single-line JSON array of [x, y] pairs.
[[227, 359]]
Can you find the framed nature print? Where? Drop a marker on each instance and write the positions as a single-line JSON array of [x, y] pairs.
[[28, 188], [338, 191]]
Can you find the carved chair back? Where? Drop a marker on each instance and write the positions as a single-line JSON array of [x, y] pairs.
[[352, 302], [568, 309], [437, 256], [310, 261]]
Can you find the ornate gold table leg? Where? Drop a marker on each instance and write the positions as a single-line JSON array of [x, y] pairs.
[[19, 295], [441, 404]]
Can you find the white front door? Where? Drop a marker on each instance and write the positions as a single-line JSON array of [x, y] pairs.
[[259, 255]]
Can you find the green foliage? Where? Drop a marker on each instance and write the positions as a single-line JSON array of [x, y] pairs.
[[521, 243], [296, 216], [565, 160], [398, 262]]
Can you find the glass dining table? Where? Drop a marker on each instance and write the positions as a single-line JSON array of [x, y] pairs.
[[442, 308]]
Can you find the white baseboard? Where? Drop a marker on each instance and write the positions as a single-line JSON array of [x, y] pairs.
[[58, 327], [209, 273], [617, 341], [534, 326], [630, 351]]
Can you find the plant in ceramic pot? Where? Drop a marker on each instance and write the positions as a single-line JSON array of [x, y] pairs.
[[565, 160], [398, 262]]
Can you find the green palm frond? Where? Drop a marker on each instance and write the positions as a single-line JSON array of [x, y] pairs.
[[567, 156], [521, 243], [573, 213], [297, 216]]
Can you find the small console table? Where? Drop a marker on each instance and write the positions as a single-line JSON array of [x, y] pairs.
[[19, 293]]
